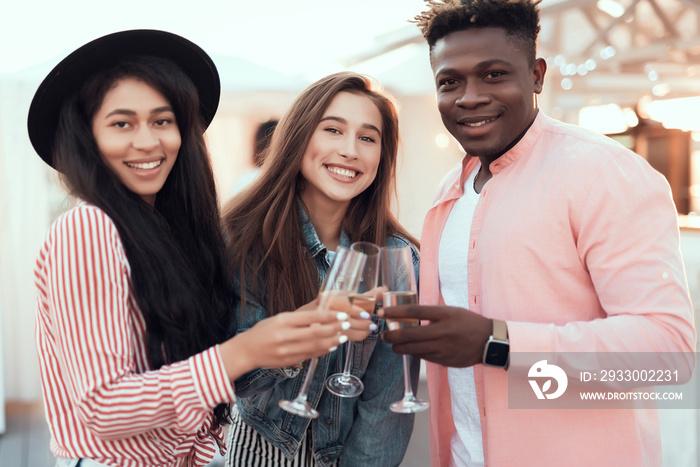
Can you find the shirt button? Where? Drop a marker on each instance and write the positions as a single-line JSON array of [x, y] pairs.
[[329, 421]]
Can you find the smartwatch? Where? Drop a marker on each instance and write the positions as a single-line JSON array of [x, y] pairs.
[[497, 348]]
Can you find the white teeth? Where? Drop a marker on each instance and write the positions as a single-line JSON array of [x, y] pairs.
[[145, 165], [483, 122], [342, 172]]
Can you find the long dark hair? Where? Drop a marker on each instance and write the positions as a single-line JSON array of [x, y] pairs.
[[262, 224], [175, 248]]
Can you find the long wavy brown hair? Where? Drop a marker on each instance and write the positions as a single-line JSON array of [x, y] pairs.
[[263, 231]]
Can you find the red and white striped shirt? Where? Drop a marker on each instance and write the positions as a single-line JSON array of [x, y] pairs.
[[102, 400]]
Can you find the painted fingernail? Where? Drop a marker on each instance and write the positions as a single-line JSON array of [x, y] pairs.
[[365, 315], [345, 325], [373, 327], [342, 339], [333, 348], [342, 316]]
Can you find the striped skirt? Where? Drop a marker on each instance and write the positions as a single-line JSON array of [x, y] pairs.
[[248, 448]]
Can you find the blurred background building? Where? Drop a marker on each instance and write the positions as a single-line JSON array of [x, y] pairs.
[[626, 68]]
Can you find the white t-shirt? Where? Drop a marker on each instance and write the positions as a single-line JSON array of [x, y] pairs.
[[466, 443]]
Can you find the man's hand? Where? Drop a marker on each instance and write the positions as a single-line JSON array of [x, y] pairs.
[[454, 337]]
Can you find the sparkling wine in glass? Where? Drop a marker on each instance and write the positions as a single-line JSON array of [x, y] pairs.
[[400, 298], [346, 384], [342, 281], [399, 280]]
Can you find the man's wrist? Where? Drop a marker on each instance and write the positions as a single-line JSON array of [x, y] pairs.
[[497, 348]]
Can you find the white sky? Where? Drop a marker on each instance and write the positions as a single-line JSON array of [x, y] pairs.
[[290, 36]]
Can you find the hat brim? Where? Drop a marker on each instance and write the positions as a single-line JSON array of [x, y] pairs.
[[67, 77]]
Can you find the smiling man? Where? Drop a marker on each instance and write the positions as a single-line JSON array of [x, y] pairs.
[[546, 238]]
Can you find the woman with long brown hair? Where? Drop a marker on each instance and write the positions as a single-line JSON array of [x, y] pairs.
[[328, 179]]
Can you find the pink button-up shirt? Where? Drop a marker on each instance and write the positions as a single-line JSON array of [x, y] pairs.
[[575, 244]]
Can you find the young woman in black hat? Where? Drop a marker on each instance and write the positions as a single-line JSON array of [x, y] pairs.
[[134, 295]]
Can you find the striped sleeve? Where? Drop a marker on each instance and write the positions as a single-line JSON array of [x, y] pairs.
[[88, 293], [208, 373]]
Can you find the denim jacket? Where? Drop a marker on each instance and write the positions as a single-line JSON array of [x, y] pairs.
[[362, 429]]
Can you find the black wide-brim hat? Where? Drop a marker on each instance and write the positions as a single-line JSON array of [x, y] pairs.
[[69, 75]]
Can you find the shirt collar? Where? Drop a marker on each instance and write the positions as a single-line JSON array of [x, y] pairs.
[[522, 147], [312, 241]]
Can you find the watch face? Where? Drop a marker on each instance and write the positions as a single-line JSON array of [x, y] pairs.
[[496, 354]]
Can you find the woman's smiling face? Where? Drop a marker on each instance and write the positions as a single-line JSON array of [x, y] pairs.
[[343, 154], [137, 135]]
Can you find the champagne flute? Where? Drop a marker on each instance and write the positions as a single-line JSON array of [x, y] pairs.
[[399, 279], [346, 384], [341, 282]]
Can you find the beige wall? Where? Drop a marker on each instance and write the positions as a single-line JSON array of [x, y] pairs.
[[422, 164], [231, 135]]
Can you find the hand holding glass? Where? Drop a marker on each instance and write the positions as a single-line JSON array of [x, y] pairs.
[[341, 282], [346, 384], [399, 280]]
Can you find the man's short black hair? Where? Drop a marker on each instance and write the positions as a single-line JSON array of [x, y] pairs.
[[519, 18]]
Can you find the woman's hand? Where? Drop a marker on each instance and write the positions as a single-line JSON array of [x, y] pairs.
[[360, 324], [362, 311], [284, 340]]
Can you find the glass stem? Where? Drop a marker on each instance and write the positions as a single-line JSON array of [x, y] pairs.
[[304, 392], [349, 356], [407, 390]]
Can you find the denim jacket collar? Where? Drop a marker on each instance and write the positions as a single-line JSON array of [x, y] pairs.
[[312, 241]]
